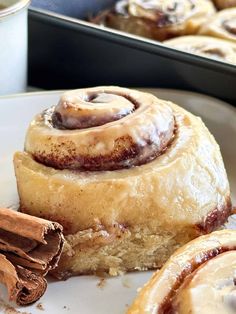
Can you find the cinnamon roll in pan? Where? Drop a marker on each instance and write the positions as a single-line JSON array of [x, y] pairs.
[[198, 278], [221, 25], [224, 4], [129, 176], [158, 20], [219, 49]]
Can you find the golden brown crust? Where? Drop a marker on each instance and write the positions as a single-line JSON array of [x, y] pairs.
[[224, 4], [95, 250], [158, 295], [158, 21], [221, 25]]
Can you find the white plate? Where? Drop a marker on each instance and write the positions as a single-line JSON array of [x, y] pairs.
[[81, 295]]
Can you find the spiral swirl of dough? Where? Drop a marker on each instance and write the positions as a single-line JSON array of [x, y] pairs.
[[101, 128], [221, 25], [159, 20], [216, 48], [164, 12], [198, 278]]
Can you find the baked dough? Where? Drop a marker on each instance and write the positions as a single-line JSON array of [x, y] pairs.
[[224, 4], [221, 25], [169, 184], [158, 20], [219, 49], [198, 278]]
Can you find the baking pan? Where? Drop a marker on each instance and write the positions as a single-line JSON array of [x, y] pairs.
[[65, 51]]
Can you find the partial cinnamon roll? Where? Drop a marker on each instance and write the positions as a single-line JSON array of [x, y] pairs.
[[221, 25], [219, 49], [224, 4], [158, 20], [200, 277], [129, 176]]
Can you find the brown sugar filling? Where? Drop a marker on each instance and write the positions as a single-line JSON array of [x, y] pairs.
[[230, 25], [167, 307], [94, 113]]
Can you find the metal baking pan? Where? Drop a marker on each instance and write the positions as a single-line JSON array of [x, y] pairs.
[[65, 51]]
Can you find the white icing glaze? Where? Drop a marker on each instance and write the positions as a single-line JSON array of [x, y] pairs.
[[231, 24], [181, 266], [149, 128], [207, 46], [151, 9], [100, 109], [211, 289], [216, 26]]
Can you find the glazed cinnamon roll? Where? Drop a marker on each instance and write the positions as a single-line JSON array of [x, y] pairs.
[[158, 20], [221, 25], [224, 4], [129, 176], [198, 278], [215, 48]]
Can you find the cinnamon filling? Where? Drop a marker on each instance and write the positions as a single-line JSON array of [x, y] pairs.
[[163, 14], [210, 288], [213, 51], [91, 110], [215, 218], [98, 130], [230, 25], [121, 158], [168, 306]]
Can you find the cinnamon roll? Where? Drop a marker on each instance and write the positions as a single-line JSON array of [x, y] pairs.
[[215, 48], [221, 25], [198, 278], [224, 4], [129, 176], [158, 20]]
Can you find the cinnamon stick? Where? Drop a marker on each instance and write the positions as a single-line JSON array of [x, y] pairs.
[[24, 286], [29, 248]]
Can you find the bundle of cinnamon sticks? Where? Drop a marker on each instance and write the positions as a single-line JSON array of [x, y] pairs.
[[29, 248]]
